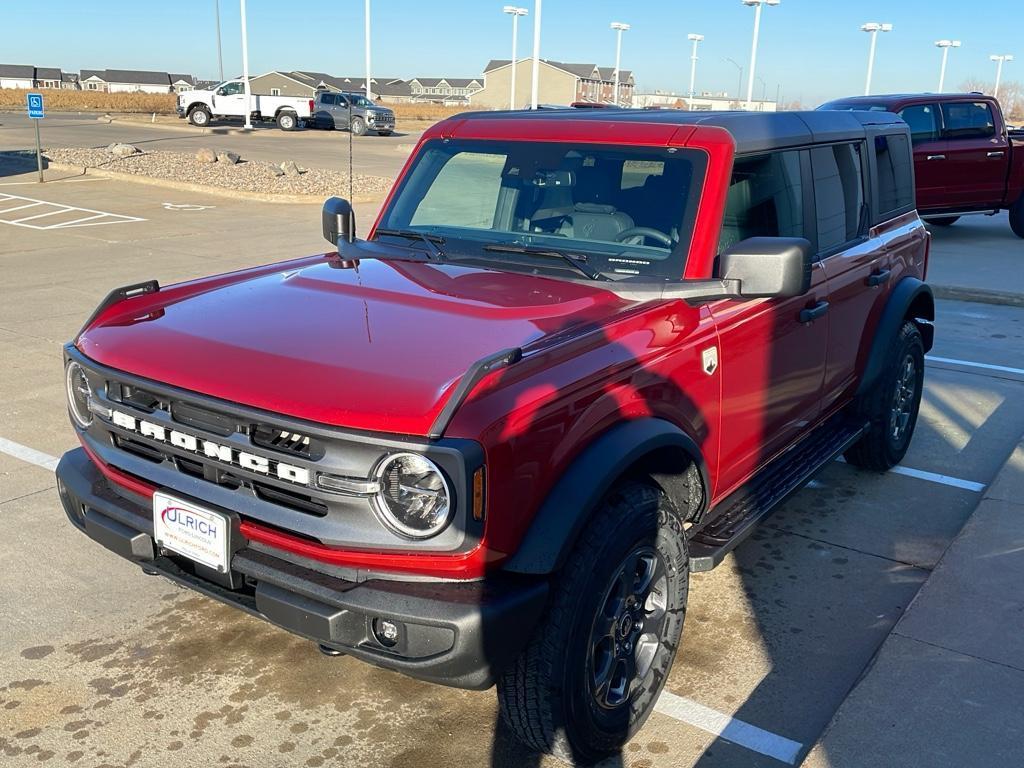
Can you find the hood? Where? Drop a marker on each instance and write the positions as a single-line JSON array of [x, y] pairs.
[[377, 346]]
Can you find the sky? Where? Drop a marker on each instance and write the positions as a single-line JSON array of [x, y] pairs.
[[809, 50]]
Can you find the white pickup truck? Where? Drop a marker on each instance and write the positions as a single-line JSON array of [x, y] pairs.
[[227, 101]]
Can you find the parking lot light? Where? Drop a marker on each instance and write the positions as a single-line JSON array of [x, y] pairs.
[[1000, 59], [693, 61], [536, 54], [515, 13], [874, 28], [245, 71], [945, 45], [619, 28], [369, 88], [757, 4]]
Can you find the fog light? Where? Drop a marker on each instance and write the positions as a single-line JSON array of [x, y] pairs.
[[386, 632]]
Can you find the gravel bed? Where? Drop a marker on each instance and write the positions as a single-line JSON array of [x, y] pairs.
[[245, 176]]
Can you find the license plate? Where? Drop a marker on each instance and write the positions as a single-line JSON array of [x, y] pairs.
[[190, 530]]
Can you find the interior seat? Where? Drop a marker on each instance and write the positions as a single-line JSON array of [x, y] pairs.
[[595, 221]]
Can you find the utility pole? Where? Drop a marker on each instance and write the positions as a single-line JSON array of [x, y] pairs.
[[245, 71], [369, 88], [536, 54], [220, 53], [753, 48], [693, 61], [619, 28], [515, 13]]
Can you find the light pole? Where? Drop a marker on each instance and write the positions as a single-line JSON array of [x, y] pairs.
[[693, 60], [515, 13], [245, 71], [369, 88], [220, 55], [739, 83], [536, 54], [753, 48], [874, 28], [1000, 59], [619, 28], [945, 45]]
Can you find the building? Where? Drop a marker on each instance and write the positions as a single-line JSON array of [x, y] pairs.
[[181, 83], [26, 76], [452, 91], [303, 83], [705, 102], [133, 81], [558, 83]]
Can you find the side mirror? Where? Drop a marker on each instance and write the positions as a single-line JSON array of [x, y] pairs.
[[768, 266], [339, 221]]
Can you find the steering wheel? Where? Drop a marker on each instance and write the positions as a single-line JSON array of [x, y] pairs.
[[651, 232]]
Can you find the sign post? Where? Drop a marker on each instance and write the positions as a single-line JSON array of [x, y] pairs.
[[35, 112]]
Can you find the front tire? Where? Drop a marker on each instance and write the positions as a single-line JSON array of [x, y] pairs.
[[199, 117], [358, 126], [944, 221], [593, 670], [1017, 217], [892, 404]]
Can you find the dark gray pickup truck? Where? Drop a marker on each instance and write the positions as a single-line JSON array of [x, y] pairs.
[[353, 111]]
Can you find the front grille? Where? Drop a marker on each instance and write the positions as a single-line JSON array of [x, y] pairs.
[[297, 501], [138, 448]]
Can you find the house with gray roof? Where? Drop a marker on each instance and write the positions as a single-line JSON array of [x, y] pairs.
[[559, 82], [26, 76], [129, 80], [446, 90]]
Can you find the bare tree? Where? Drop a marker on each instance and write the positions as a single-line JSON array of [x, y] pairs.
[[1011, 95]]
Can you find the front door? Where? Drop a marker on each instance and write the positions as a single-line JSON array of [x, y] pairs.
[[340, 110], [976, 155], [229, 99]]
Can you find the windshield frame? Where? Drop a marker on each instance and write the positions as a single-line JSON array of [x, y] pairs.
[[466, 243]]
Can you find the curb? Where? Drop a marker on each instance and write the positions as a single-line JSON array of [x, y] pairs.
[[978, 295], [183, 186]]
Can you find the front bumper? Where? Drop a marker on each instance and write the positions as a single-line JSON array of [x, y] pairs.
[[460, 634]]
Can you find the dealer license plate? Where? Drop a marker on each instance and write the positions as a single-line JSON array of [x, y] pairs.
[[190, 530]]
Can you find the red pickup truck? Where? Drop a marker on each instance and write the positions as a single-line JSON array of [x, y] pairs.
[[580, 355], [965, 158]]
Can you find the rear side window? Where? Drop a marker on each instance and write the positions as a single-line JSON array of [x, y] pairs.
[[765, 199], [895, 177], [327, 98], [923, 122], [838, 194], [967, 120]]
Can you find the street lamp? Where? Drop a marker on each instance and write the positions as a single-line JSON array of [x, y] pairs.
[[739, 82], [515, 13], [245, 71], [369, 88], [220, 55], [999, 70], [536, 54], [753, 48], [619, 28], [874, 28], [693, 61], [945, 45]]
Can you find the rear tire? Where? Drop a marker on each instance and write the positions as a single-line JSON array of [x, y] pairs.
[[199, 117], [1017, 217], [944, 221], [287, 121], [358, 126], [891, 405], [593, 670]]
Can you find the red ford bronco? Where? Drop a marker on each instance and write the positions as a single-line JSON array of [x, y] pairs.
[[579, 355]]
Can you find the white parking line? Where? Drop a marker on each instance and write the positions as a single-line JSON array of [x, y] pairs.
[[729, 728], [93, 217], [31, 455], [933, 477], [968, 364]]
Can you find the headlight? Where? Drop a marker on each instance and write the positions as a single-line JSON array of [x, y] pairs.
[[79, 393], [413, 499]]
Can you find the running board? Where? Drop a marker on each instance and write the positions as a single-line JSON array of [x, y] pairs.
[[739, 514]]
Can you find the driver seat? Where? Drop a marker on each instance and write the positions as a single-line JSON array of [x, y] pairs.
[[595, 221]]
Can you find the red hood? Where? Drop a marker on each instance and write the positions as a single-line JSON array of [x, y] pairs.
[[378, 347]]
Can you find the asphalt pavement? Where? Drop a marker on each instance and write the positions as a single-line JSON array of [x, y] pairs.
[[100, 665]]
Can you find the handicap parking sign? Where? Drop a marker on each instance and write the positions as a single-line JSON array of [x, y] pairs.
[[35, 105]]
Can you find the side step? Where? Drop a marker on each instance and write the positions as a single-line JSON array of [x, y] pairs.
[[737, 516]]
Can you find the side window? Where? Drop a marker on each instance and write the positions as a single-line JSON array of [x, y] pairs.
[[895, 178], [328, 98], [464, 193], [838, 194], [923, 122], [765, 199], [967, 120]]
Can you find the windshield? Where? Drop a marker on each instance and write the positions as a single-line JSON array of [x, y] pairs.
[[625, 211]]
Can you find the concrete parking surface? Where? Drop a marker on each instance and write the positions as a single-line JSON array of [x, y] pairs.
[[100, 665]]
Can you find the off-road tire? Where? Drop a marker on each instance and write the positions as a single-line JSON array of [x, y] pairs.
[[287, 121], [199, 117], [944, 221], [880, 448], [547, 696], [1017, 216], [358, 126]]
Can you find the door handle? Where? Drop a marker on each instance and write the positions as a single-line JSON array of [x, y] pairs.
[[999, 153], [936, 157], [810, 314], [879, 277]]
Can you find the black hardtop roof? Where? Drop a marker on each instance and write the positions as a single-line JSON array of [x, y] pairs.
[[752, 131]]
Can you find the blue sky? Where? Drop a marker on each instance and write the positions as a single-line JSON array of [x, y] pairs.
[[813, 48]]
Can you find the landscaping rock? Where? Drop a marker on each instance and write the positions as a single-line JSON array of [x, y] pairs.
[[228, 157], [290, 168], [206, 155], [122, 150], [275, 170]]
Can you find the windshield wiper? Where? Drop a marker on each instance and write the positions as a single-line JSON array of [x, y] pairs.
[[431, 241], [577, 261]]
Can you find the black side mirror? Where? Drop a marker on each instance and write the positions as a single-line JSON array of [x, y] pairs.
[[768, 266], [339, 221]]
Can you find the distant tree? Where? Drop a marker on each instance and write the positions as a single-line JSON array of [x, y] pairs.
[[1011, 95]]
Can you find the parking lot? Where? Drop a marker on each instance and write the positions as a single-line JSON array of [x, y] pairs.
[[102, 666]]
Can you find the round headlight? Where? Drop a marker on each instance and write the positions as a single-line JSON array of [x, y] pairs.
[[413, 499], [79, 393]]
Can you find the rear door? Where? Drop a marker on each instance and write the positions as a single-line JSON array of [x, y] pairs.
[[976, 154], [930, 158], [322, 108]]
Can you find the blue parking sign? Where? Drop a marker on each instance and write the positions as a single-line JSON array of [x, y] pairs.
[[35, 106]]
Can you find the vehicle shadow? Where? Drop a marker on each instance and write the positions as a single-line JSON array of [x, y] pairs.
[[18, 162]]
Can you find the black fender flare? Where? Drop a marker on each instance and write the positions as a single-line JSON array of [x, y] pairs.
[[910, 298], [576, 495]]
